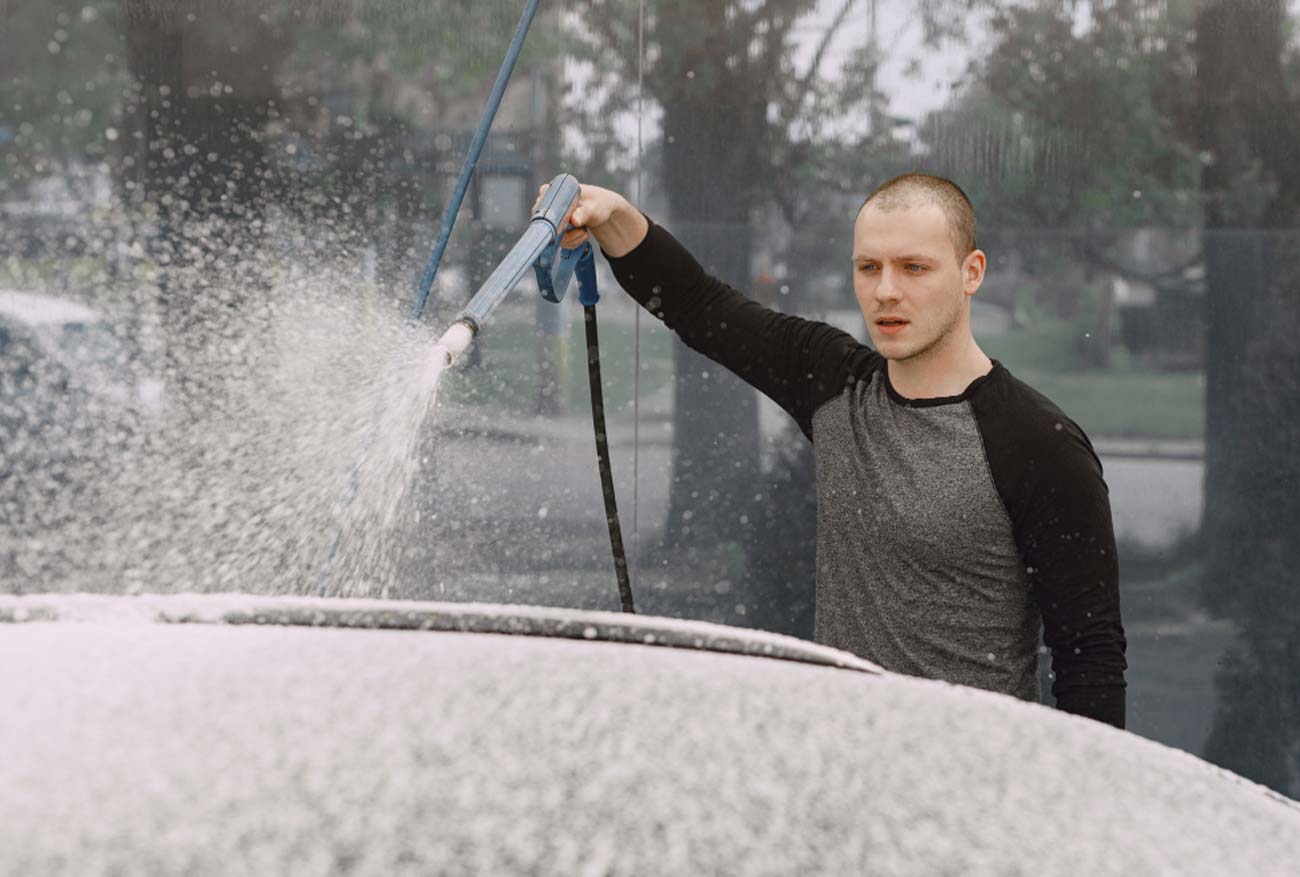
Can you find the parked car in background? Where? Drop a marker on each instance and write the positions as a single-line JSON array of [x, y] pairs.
[[73, 405], [237, 734], [53, 344]]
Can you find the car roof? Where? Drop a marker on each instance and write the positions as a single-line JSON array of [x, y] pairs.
[[517, 620], [268, 747], [38, 309]]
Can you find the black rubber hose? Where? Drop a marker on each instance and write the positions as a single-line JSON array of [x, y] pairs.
[[602, 457]]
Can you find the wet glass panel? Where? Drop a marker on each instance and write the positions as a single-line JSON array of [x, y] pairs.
[[214, 224]]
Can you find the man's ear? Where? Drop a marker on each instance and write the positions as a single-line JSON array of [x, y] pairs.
[[972, 271]]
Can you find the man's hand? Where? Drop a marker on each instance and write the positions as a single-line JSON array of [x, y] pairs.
[[617, 225]]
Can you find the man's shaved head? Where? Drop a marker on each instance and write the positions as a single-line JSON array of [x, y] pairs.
[[919, 190]]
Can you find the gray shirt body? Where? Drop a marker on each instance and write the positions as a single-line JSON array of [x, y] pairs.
[[917, 564]]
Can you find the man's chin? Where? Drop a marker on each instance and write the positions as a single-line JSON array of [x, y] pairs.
[[893, 349]]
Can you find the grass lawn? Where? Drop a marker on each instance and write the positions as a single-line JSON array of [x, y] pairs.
[[508, 380], [1126, 402], [1126, 399]]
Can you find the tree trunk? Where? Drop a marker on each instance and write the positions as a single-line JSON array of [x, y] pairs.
[[1252, 482], [199, 166], [712, 127]]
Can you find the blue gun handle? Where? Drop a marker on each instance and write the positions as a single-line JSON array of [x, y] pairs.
[[543, 268], [553, 278], [587, 293], [555, 266]]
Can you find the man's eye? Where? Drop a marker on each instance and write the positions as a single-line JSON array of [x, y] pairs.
[[912, 266], [866, 267]]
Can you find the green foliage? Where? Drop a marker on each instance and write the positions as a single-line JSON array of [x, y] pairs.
[[401, 54], [67, 95], [1088, 121]]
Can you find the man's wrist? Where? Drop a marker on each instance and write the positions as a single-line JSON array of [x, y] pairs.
[[624, 230]]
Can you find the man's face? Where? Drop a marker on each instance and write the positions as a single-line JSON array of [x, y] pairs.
[[909, 284]]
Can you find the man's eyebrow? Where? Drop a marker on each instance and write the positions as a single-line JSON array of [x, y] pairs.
[[906, 257]]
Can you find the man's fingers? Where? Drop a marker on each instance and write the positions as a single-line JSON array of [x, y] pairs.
[[577, 219], [574, 238]]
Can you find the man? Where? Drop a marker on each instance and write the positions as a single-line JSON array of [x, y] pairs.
[[957, 506]]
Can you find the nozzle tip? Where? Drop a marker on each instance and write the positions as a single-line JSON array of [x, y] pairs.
[[456, 340]]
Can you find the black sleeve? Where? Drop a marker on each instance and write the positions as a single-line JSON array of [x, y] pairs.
[[797, 363], [1050, 480]]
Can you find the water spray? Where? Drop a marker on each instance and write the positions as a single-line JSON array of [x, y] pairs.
[[554, 266]]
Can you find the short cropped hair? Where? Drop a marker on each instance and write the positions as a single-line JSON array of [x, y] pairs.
[[916, 190]]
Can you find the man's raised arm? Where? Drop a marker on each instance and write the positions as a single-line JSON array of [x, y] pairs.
[[797, 363]]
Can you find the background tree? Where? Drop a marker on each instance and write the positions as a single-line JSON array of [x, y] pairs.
[[731, 148], [1248, 89], [1068, 134]]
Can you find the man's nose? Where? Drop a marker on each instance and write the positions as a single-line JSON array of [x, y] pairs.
[[887, 286]]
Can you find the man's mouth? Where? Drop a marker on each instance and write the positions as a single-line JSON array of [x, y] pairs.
[[891, 325]]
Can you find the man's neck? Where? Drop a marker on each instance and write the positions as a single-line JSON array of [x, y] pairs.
[[944, 370]]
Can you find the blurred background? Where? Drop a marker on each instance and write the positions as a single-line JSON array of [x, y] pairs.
[[213, 217]]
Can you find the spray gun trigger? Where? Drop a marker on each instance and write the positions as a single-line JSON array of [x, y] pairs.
[[555, 268]]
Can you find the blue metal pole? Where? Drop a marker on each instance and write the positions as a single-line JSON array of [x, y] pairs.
[[471, 160]]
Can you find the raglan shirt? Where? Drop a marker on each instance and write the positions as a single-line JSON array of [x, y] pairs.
[[948, 529]]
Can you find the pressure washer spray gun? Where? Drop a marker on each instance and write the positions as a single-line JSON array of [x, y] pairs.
[[539, 248]]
